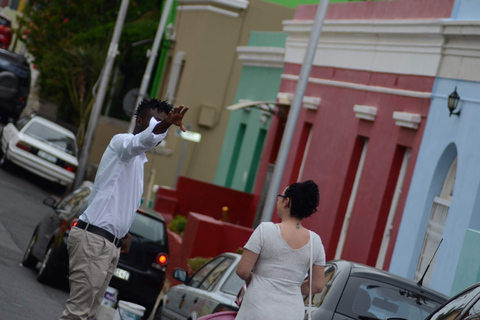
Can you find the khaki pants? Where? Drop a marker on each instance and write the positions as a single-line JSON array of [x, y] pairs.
[[93, 260]]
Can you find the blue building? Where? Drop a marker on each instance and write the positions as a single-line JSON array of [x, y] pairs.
[[443, 203]]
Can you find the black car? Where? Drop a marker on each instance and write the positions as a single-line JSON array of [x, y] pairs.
[[140, 274], [356, 291], [463, 306], [15, 79]]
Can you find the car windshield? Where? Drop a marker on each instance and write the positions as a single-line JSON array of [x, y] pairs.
[[52, 137], [148, 228], [377, 300]]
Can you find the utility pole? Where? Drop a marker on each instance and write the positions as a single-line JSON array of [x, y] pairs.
[[294, 111], [151, 60], [100, 97]]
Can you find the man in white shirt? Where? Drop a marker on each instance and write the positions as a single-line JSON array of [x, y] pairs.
[[94, 243]]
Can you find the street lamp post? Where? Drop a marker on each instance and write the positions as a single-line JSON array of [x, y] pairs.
[[97, 105], [294, 111]]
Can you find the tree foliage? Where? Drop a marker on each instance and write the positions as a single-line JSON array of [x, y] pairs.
[[69, 41]]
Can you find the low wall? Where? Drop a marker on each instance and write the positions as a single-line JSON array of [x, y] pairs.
[[192, 195], [206, 237]]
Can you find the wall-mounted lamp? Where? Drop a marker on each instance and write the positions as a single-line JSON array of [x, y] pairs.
[[453, 100]]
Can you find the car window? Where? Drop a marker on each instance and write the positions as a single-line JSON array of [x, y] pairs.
[[211, 280], [233, 284], [318, 298], [74, 201], [453, 308], [52, 137], [4, 22], [375, 299], [148, 228], [198, 277], [474, 312]]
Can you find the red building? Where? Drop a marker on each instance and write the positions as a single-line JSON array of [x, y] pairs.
[[362, 120]]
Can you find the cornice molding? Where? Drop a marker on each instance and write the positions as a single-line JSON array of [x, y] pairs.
[[234, 4], [270, 57], [208, 9], [414, 47], [363, 87]]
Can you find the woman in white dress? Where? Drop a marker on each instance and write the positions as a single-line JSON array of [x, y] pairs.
[[277, 257]]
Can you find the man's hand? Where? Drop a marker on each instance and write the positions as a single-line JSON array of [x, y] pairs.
[[176, 116], [127, 241]]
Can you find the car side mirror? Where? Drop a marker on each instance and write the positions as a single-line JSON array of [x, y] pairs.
[[50, 202], [180, 275]]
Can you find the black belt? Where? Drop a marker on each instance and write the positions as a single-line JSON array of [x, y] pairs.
[[100, 232]]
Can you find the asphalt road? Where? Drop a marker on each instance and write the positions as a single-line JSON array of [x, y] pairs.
[[21, 207]]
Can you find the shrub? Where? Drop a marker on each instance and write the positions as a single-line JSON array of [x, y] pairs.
[[177, 224], [196, 263]]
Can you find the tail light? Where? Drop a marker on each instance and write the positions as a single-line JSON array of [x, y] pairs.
[[70, 167], [73, 223], [24, 146], [161, 261]]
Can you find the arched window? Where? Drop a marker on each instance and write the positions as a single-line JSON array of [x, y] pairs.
[[436, 224]]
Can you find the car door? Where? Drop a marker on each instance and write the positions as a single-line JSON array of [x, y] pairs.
[[195, 297]]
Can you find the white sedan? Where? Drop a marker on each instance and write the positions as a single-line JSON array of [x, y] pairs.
[[42, 147]]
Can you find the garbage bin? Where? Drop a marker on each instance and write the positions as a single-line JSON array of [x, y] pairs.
[[129, 311]]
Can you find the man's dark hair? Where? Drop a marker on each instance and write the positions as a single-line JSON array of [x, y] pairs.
[[304, 198], [160, 106]]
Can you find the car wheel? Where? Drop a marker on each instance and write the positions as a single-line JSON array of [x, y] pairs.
[[29, 260], [158, 313], [46, 272], [4, 160]]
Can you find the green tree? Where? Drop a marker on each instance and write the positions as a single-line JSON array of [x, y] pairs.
[[69, 41]]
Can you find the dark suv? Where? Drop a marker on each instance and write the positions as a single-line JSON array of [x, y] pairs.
[[15, 78], [139, 275]]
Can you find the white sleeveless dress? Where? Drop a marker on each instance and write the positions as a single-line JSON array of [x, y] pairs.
[[274, 291]]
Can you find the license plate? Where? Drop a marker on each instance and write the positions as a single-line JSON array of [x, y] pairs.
[[122, 274], [46, 156]]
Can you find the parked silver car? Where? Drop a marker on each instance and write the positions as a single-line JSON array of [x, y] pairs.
[[212, 288]]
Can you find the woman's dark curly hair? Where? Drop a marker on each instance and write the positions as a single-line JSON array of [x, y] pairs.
[[160, 106], [304, 198]]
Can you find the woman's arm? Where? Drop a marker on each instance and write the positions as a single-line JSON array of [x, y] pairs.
[[318, 274], [246, 264]]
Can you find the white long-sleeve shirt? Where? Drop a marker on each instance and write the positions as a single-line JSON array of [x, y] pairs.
[[118, 186]]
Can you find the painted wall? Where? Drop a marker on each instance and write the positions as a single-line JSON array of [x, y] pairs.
[[209, 79], [383, 55], [240, 154], [444, 138], [332, 149], [192, 195]]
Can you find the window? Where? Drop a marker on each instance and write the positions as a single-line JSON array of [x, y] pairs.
[[73, 202], [203, 272], [233, 284], [318, 298], [51, 137], [436, 224], [452, 309], [375, 299], [148, 228]]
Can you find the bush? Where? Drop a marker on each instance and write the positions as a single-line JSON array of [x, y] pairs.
[[196, 263], [177, 224]]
